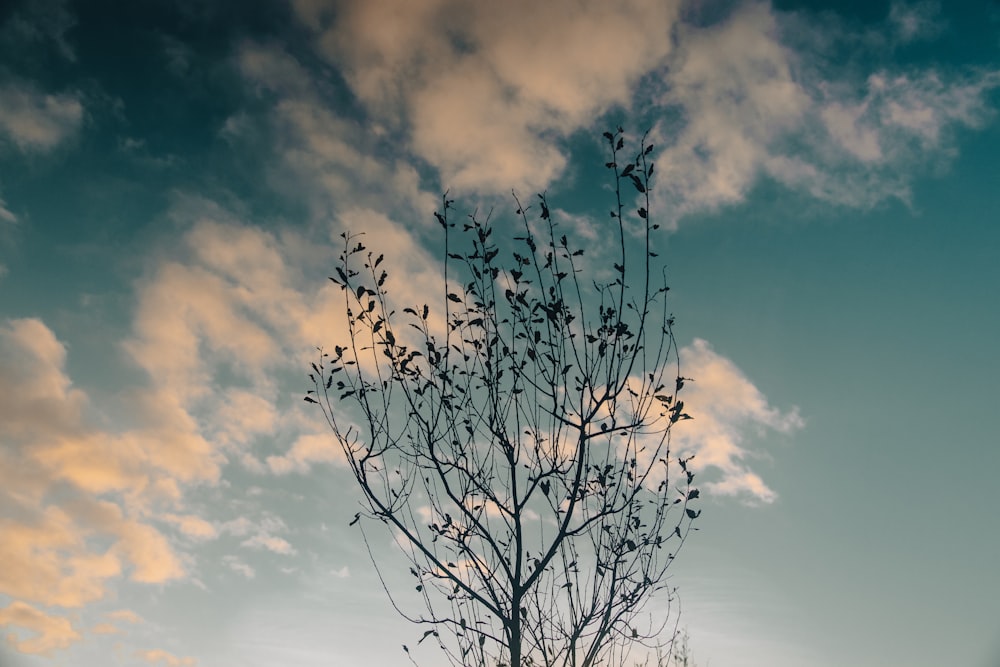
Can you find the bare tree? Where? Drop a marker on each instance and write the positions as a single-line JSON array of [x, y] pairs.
[[518, 447]]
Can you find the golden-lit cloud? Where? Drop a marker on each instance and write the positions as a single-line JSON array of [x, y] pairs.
[[726, 407], [487, 95], [64, 484], [46, 633], [160, 657]]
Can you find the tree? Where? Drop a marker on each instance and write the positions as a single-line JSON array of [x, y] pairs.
[[515, 437]]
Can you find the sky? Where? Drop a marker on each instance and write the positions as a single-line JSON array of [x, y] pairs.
[[174, 177]]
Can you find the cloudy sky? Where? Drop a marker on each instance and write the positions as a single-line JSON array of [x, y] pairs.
[[173, 180]]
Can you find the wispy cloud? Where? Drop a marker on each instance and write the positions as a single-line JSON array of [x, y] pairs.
[[37, 121], [6, 214], [38, 22], [236, 565], [272, 543], [727, 408], [754, 103], [915, 21], [161, 657]]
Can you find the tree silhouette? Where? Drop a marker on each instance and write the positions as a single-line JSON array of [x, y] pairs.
[[515, 437]]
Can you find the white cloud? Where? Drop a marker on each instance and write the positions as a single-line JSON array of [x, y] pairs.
[[727, 407], [6, 214], [237, 565], [307, 449], [33, 120], [272, 543]]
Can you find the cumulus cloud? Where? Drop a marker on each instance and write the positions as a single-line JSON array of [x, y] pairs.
[[727, 408], [74, 499], [489, 102], [47, 632], [37, 121], [488, 96]]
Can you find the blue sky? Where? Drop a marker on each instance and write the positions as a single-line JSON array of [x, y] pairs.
[[173, 178]]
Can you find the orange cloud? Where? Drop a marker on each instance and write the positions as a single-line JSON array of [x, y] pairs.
[[49, 632], [159, 656]]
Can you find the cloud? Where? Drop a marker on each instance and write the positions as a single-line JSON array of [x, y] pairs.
[[307, 449], [758, 93], [237, 565], [125, 615], [36, 121], [322, 154], [915, 21], [486, 97], [161, 657], [105, 629], [6, 214], [727, 407], [272, 543], [757, 97], [75, 500], [39, 21], [192, 526], [49, 632]]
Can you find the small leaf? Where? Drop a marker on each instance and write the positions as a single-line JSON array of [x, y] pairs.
[[454, 297], [310, 399], [642, 213]]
